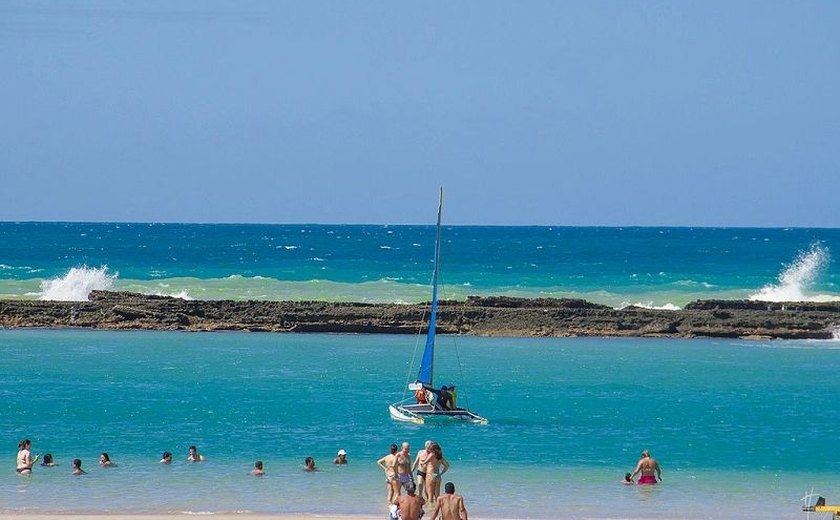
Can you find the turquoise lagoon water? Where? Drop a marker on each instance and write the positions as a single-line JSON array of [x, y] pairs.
[[742, 428]]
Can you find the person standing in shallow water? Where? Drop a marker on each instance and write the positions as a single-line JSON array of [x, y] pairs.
[[436, 466], [105, 460], [420, 466], [403, 465], [77, 467], [25, 461], [309, 464], [392, 485], [649, 469], [194, 456]]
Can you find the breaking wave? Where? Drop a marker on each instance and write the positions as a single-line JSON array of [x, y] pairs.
[[795, 280], [650, 305], [77, 284]]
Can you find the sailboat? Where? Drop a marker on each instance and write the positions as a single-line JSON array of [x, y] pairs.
[[423, 404]]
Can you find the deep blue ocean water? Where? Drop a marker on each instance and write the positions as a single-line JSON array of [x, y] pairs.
[[657, 267], [744, 427]]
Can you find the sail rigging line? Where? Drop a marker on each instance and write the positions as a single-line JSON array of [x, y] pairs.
[[455, 344], [414, 353]]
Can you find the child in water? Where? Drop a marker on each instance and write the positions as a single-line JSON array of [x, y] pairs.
[[628, 479]]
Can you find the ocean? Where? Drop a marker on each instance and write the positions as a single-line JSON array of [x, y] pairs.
[[652, 267], [743, 429]]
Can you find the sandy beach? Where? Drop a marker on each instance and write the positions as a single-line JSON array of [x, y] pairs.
[[223, 516]]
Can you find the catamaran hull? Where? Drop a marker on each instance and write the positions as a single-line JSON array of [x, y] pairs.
[[420, 413]]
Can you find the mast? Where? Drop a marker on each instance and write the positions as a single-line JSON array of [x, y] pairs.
[[426, 374]]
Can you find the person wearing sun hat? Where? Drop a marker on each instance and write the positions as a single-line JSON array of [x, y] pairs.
[[341, 458]]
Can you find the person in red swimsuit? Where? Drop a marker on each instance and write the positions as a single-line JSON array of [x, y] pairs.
[[649, 469]]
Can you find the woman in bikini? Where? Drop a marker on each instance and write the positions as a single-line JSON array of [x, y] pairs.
[[647, 466], [436, 466], [25, 461], [387, 463]]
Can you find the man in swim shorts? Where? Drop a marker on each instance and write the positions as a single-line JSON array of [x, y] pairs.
[[420, 466], [647, 467]]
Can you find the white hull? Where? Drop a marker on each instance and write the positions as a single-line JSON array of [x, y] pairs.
[[420, 413]]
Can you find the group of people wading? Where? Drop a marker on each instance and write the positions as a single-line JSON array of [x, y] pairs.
[[429, 466]]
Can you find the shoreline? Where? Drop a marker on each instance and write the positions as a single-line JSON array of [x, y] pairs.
[[215, 516], [477, 316]]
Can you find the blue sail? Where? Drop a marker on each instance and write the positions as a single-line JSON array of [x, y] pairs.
[[427, 364]]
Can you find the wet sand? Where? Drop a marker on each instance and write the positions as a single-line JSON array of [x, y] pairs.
[[182, 516]]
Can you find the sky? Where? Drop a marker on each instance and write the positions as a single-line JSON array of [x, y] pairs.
[[583, 113]]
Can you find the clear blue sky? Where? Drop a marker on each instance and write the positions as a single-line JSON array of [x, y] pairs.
[[712, 113]]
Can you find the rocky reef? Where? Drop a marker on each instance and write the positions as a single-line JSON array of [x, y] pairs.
[[481, 316]]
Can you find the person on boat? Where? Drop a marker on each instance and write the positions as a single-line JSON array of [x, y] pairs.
[[402, 465], [649, 469], [25, 460], [420, 396], [450, 506], [420, 467], [410, 506], [436, 466], [443, 399], [453, 397], [258, 469], [341, 458], [77, 467], [387, 463], [194, 456]]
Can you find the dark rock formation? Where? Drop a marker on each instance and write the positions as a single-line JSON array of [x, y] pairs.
[[482, 316]]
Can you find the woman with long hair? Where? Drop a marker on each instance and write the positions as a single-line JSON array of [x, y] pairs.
[[25, 460], [436, 465]]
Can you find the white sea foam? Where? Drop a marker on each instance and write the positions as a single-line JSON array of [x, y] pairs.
[[6, 267], [795, 280], [650, 305], [184, 295], [77, 284]]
